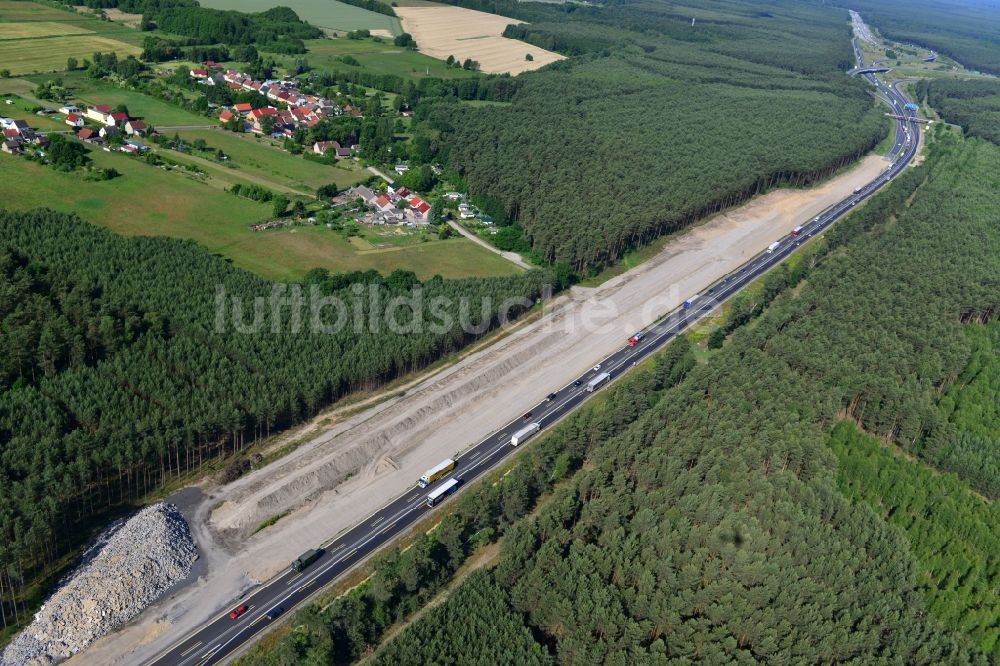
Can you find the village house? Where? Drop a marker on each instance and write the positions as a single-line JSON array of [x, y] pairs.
[[108, 132], [98, 113], [334, 147], [419, 210], [321, 147], [136, 127], [87, 135], [117, 118], [11, 147], [74, 120], [363, 193], [257, 116], [70, 108], [199, 73], [243, 108], [226, 116]]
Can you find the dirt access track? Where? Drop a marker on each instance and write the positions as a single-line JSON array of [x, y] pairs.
[[441, 31], [341, 476]]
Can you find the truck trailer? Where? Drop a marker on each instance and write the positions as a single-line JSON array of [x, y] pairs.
[[524, 433], [436, 472], [772, 247], [305, 559], [598, 381], [442, 491]]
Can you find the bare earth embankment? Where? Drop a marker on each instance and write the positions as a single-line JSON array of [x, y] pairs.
[[465, 33], [341, 476]]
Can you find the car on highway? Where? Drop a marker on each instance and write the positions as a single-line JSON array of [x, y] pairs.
[[550, 397], [275, 612], [526, 416], [577, 382], [236, 612], [596, 368]]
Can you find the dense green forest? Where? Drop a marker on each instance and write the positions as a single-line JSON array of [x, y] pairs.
[[278, 29], [969, 32], [706, 521], [119, 373], [973, 104], [954, 535], [656, 123]]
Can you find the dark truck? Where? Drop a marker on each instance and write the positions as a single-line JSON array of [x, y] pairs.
[[306, 558]]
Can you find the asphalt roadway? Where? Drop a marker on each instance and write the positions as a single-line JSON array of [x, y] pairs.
[[222, 636]]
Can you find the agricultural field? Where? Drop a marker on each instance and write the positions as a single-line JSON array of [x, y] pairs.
[[39, 38], [29, 29], [330, 15], [151, 201], [287, 254], [441, 31], [376, 58], [263, 163]]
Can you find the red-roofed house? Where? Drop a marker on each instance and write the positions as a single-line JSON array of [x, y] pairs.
[[11, 134], [135, 127], [98, 113], [199, 73], [86, 134], [383, 203], [116, 118], [245, 107], [74, 120], [226, 115], [419, 208]]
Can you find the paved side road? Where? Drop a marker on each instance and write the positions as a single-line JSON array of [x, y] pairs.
[[512, 257]]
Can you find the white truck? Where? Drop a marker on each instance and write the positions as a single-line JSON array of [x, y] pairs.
[[442, 491], [772, 247], [524, 433], [598, 381]]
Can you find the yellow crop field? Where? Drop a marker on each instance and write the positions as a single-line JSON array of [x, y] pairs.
[[441, 31], [49, 54], [27, 29]]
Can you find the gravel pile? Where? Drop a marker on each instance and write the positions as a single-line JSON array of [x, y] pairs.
[[130, 565]]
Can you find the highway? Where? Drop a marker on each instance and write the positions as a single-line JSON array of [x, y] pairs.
[[222, 636]]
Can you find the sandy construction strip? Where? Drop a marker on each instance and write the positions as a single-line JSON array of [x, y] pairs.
[[355, 467], [465, 33]]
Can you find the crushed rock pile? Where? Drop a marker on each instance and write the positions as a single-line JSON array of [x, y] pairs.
[[131, 564]]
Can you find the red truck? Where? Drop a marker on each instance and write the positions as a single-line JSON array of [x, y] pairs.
[[634, 340]]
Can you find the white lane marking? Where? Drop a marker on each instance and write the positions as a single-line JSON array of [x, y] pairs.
[[376, 521], [294, 578], [412, 497], [188, 651]]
